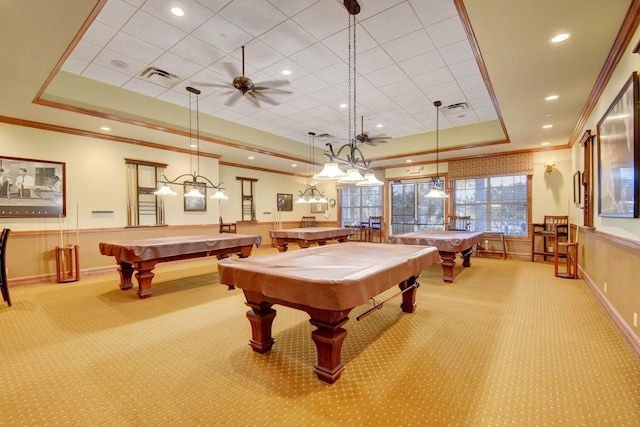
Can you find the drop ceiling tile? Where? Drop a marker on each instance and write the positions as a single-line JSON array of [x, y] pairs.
[[446, 92], [99, 34], [465, 69], [132, 47], [85, 52], [255, 17], [176, 65], [315, 57], [105, 75], [115, 13], [447, 32], [153, 30], [374, 7], [457, 52], [133, 67], [223, 34], [288, 38], [334, 74], [471, 82], [322, 19], [291, 8], [197, 51], [422, 63], [409, 46], [372, 60], [194, 13], [145, 88], [379, 28], [328, 95], [212, 5], [339, 43], [433, 11], [386, 76]]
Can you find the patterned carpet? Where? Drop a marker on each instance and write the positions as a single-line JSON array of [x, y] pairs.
[[505, 344]]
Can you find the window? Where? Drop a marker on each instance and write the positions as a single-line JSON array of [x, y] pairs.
[[357, 204], [494, 204], [411, 210], [144, 207]]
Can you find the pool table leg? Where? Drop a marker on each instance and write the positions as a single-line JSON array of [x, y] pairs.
[[261, 318], [126, 272], [466, 257], [448, 262], [145, 276], [328, 339], [409, 303]]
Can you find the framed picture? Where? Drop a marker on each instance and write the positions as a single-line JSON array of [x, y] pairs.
[[577, 188], [285, 202], [195, 203], [319, 207], [32, 188], [618, 155]]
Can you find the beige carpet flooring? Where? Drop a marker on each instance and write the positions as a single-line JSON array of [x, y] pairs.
[[506, 344]]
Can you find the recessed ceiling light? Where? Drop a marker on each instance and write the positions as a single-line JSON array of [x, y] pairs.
[[560, 37], [552, 97], [177, 11], [548, 115], [105, 128], [545, 143], [251, 157], [119, 64], [343, 105], [379, 125], [547, 126], [194, 145], [286, 72], [293, 165], [409, 160]]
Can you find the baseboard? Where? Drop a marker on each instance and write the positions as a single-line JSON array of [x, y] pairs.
[[52, 278], [628, 333]]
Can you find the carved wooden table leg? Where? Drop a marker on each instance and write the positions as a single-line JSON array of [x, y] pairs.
[[448, 262], [261, 318], [145, 276], [245, 251], [280, 244], [409, 298], [328, 339], [126, 271], [304, 244]]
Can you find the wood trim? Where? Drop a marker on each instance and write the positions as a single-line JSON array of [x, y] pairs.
[[619, 240], [631, 338], [627, 30]]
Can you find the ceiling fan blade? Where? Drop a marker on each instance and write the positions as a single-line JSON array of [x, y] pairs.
[[265, 98], [271, 90], [221, 85], [233, 98], [272, 83], [232, 69], [252, 97]]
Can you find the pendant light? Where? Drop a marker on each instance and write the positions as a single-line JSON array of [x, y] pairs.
[[437, 190]]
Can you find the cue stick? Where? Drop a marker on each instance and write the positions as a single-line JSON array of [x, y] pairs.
[[379, 306]]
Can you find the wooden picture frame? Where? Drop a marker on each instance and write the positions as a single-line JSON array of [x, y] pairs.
[[617, 134], [319, 207], [577, 188], [285, 202], [32, 188], [195, 204]]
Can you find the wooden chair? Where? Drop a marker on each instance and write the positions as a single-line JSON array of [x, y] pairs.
[[4, 285], [459, 223], [375, 227], [227, 227], [553, 227], [308, 221]]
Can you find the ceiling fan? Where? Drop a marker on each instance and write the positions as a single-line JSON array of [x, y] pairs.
[[254, 92], [370, 140]]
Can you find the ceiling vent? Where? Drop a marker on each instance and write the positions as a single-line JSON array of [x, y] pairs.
[[325, 136], [455, 108], [160, 77]]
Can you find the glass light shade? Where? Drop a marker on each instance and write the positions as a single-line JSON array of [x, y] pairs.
[[321, 200], [219, 195], [369, 180], [353, 175], [436, 193], [301, 199], [193, 193], [330, 171], [165, 190]]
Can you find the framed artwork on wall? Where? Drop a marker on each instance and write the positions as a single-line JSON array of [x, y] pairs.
[[319, 207], [285, 202], [195, 203], [32, 188], [617, 137], [577, 188]]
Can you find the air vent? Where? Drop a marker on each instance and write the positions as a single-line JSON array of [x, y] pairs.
[[325, 136], [160, 77], [455, 108]]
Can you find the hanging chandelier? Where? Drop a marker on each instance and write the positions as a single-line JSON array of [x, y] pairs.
[[311, 194], [437, 185], [353, 157], [194, 179]]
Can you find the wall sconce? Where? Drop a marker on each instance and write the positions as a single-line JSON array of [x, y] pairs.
[[548, 168]]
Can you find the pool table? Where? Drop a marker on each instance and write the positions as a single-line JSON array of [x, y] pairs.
[[449, 243], [142, 255], [326, 282], [304, 237]]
